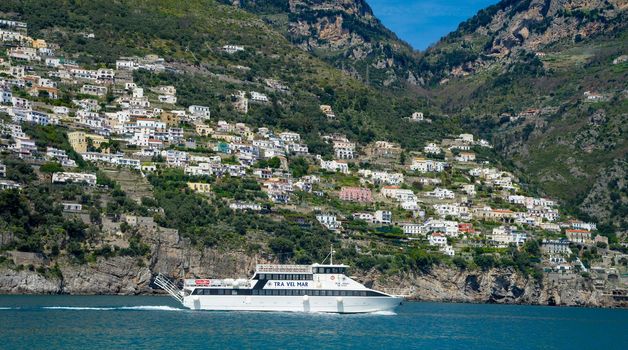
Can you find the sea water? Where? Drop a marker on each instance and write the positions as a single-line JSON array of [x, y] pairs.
[[116, 322]]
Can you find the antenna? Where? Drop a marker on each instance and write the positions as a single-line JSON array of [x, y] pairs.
[[331, 255]]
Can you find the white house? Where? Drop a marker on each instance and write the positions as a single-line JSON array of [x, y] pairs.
[[202, 112], [290, 137], [64, 177], [411, 228], [448, 227], [231, 49], [258, 97], [505, 235], [432, 148], [465, 157], [382, 217], [368, 217], [344, 149], [437, 238], [441, 193], [398, 194], [330, 221], [427, 165], [447, 250], [336, 166], [417, 117]]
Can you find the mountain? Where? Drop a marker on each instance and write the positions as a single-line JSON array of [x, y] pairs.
[[345, 34], [510, 30], [546, 82]]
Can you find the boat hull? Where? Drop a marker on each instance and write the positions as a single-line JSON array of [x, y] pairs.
[[324, 304]]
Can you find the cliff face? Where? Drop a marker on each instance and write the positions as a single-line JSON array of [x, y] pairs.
[[175, 258], [344, 33], [501, 286], [503, 32]]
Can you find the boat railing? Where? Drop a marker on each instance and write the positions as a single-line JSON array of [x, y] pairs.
[[167, 285], [275, 268]]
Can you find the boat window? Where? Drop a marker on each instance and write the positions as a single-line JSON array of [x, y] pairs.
[[234, 292], [282, 292], [255, 292], [282, 277], [262, 276], [343, 293], [362, 294], [334, 270], [275, 292], [327, 270], [221, 291]]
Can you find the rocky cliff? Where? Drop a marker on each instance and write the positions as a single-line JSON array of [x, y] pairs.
[[344, 33], [176, 258], [506, 31]]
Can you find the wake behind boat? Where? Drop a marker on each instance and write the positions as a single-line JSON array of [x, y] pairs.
[[273, 287]]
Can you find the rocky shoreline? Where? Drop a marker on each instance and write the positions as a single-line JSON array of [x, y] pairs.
[[124, 275]]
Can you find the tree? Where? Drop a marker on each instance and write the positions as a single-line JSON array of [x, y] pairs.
[[51, 167], [484, 261], [298, 167], [460, 262], [282, 247], [94, 216], [402, 158], [274, 162]]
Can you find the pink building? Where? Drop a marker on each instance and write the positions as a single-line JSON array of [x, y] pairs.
[[356, 194]]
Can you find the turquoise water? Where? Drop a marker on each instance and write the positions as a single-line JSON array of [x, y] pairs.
[[111, 322]]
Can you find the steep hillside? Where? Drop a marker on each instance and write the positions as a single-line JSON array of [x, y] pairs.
[[546, 81], [507, 32], [189, 35], [344, 33]]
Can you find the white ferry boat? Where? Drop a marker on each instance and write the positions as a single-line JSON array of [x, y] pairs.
[[295, 288]]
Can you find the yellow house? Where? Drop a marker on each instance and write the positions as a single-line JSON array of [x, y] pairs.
[[199, 187], [204, 130], [170, 119], [79, 140], [39, 44]]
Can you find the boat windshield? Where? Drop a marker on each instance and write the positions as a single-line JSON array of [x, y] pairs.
[[332, 269]]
